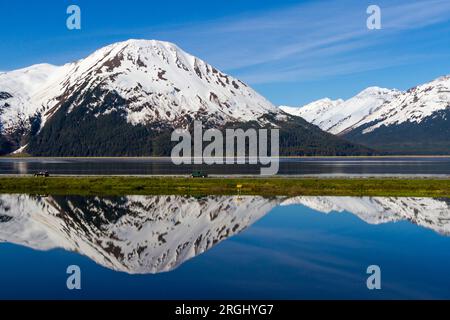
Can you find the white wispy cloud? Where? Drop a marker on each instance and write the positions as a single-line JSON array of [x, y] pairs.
[[311, 40], [320, 38]]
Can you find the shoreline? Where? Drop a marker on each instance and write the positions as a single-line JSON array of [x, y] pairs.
[[261, 186]]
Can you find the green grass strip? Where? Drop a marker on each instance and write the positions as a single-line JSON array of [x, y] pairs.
[[112, 186]]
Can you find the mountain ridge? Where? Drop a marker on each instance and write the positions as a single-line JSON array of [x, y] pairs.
[[415, 121]]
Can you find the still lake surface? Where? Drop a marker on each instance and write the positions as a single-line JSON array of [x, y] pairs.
[[231, 247], [398, 166]]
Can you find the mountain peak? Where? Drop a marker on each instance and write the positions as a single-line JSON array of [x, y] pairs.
[[374, 90], [143, 43], [141, 46], [162, 82]]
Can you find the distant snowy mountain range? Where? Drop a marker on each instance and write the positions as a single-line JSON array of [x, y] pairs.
[[414, 121], [340, 116], [153, 234], [125, 98]]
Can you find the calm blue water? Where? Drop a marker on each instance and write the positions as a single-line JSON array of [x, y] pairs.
[[224, 247], [418, 166]]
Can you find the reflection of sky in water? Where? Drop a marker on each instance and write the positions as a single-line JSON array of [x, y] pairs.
[[328, 255], [294, 251]]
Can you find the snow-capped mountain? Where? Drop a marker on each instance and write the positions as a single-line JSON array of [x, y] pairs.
[[414, 105], [136, 90], [134, 234], [414, 121], [159, 81], [339, 116]]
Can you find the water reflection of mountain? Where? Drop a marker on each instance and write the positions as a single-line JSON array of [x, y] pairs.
[[135, 234], [152, 234], [426, 212]]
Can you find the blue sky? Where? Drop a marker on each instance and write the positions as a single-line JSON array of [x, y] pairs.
[[292, 52]]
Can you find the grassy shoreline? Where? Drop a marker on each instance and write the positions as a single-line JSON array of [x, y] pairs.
[[277, 186]]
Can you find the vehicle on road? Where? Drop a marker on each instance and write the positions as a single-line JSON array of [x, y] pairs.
[[199, 174], [45, 174]]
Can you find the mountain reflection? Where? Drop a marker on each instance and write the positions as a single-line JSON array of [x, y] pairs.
[[153, 234], [429, 213], [134, 234]]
